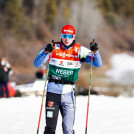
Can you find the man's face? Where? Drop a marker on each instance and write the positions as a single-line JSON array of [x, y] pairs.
[[67, 41]]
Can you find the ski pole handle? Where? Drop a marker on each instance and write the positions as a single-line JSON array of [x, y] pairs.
[[53, 42], [93, 41], [92, 53]]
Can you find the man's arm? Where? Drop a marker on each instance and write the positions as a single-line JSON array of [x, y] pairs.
[[41, 58], [97, 61], [85, 55]]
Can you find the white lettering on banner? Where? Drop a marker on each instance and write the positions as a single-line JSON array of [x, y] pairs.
[[56, 77], [64, 55], [64, 72], [67, 55], [76, 49], [60, 54], [51, 108], [68, 31]]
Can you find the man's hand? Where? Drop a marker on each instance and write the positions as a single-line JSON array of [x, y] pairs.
[[49, 48], [5, 69], [93, 46]]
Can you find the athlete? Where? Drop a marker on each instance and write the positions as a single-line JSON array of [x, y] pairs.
[[64, 65]]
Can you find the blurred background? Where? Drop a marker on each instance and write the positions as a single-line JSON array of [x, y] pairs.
[[26, 26]]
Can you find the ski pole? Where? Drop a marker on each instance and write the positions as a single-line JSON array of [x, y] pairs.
[[44, 93], [90, 76]]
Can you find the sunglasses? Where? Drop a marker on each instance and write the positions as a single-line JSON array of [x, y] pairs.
[[70, 36]]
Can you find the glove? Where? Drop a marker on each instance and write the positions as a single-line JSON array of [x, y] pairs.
[[93, 46], [49, 48]]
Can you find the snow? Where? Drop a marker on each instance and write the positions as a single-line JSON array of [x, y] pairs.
[[122, 71], [32, 87], [107, 115]]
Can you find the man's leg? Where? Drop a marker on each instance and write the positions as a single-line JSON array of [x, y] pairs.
[[53, 102], [7, 90], [68, 112], [1, 90]]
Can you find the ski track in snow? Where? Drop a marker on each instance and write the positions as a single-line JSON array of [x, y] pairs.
[[107, 115]]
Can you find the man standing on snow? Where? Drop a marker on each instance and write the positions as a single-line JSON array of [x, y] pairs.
[[5, 71], [64, 65]]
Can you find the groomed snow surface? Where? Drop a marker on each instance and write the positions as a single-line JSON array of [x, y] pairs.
[[107, 115]]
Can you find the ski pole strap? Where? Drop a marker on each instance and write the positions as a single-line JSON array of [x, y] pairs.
[[62, 81]]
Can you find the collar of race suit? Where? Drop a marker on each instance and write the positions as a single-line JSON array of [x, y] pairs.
[[67, 47]]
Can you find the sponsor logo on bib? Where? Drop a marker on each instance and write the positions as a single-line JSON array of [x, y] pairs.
[[49, 114], [61, 63], [77, 63], [70, 63], [64, 72], [50, 103], [53, 61], [56, 77], [66, 55]]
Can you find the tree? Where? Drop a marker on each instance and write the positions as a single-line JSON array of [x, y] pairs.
[[51, 10], [14, 13], [119, 7]]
